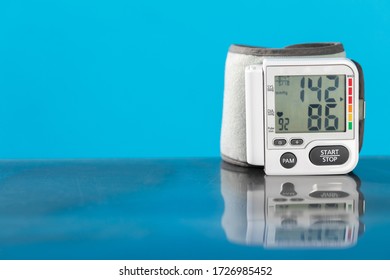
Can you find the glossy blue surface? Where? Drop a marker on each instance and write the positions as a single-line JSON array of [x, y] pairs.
[[162, 209]]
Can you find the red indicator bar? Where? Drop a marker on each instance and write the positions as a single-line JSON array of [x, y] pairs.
[[349, 82], [349, 91], [349, 99]]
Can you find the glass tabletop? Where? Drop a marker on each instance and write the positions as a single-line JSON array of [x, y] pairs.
[[190, 209]]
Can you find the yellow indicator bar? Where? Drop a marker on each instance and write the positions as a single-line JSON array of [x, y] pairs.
[[349, 117]]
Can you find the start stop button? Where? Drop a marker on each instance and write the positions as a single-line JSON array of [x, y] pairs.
[[329, 155]]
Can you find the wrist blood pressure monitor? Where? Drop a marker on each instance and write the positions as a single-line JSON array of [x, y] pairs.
[[296, 111]]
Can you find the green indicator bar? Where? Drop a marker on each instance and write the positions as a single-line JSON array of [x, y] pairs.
[[350, 125]]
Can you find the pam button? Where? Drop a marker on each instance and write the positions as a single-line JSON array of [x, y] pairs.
[[329, 155]]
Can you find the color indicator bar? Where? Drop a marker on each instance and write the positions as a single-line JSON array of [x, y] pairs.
[[350, 103]]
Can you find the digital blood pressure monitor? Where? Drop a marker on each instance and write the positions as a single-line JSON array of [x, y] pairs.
[[301, 109]]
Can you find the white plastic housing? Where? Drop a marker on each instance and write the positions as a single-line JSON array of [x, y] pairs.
[[260, 117], [254, 114]]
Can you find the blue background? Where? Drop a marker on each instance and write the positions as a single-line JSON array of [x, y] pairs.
[[145, 78]]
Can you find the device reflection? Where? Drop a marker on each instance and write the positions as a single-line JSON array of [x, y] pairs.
[[290, 211]]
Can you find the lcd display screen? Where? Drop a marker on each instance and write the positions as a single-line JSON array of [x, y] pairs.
[[311, 103]]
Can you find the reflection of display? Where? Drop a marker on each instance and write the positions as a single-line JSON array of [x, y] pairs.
[[290, 211], [314, 103]]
